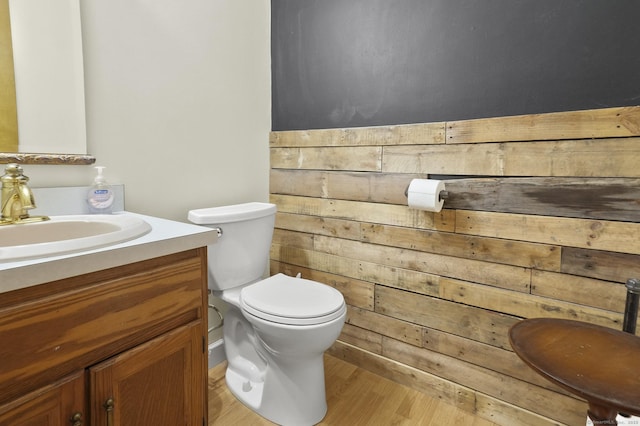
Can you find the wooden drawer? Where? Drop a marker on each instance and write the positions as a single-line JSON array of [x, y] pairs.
[[46, 338]]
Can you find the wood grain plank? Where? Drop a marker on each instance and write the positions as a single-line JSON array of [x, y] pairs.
[[604, 265], [362, 338], [387, 326], [524, 305], [310, 225], [576, 289], [517, 253], [444, 160], [584, 158], [364, 158], [357, 186], [467, 321], [287, 237], [581, 233], [597, 123], [423, 133], [362, 212], [506, 276], [603, 198]]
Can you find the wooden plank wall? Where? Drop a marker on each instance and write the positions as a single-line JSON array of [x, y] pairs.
[[542, 221]]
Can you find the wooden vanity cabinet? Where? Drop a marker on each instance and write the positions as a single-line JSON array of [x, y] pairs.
[[123, 346]]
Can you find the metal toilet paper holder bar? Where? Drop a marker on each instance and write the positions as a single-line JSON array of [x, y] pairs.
[[443, 195]]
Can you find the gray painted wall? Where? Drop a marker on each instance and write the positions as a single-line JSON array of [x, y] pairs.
[[350, 63]]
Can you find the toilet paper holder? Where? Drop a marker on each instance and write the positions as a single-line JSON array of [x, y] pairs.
[[442, 195]]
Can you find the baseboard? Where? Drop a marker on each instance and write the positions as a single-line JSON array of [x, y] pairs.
[[216, 353]]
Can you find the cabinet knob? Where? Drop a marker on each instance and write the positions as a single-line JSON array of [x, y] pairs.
[[76, 419]]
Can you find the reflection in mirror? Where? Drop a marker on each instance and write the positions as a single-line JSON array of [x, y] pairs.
[[49, 81]]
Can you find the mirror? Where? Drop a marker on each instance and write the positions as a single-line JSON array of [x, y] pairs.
[[46, 38]]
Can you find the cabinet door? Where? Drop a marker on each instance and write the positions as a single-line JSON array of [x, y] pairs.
[[161, 383], [62, 403]]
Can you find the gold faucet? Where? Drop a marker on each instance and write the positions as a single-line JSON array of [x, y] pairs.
[[16, 198]]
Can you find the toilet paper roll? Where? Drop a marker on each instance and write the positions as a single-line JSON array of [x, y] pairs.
[[424, 194]]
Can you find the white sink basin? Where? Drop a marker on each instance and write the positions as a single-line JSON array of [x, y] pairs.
[[64, 234]]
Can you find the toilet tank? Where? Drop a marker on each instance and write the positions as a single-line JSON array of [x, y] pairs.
[[241, 253]]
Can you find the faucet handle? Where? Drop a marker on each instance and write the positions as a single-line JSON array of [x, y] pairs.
[[14, 175], [13, 170]]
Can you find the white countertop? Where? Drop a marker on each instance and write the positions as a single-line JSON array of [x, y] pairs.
[[166, 237]]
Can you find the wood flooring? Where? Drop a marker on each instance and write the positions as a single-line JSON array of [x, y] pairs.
[[355, 397]]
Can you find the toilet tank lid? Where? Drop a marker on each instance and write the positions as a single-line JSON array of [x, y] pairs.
[[232, 213]]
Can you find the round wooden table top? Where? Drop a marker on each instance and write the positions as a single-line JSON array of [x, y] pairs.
[[599, 364]]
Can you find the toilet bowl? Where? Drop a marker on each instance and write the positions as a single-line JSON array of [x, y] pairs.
[[277, 329]]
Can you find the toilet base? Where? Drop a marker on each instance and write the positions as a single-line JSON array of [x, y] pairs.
[[291, 394], [247, 391]]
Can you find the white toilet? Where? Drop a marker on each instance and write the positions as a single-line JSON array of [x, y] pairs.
[[276, 329]]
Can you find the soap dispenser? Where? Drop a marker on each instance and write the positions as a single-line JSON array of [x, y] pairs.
[[100, 198]]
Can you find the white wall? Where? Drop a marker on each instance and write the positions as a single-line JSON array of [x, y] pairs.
[[178, 103]]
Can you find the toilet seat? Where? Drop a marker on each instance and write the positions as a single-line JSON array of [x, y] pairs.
[[293, 301]]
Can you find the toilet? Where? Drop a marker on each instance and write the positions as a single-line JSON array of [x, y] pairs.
[[277, 329]]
